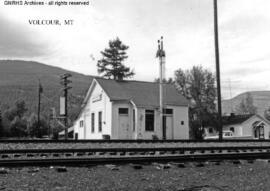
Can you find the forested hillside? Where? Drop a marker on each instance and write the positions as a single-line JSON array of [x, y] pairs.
[[261, 100], [19, 81]]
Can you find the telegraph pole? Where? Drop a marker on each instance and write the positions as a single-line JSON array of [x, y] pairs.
[[40, 90], [64, 112], [161, 55], [217, 69]]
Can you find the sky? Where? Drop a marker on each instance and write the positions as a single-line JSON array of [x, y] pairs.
[[186, 25]]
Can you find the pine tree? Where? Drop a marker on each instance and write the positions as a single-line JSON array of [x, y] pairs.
[[111, 65]]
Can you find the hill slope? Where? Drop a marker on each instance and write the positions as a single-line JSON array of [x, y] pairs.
[[19, 80], [261, 99]]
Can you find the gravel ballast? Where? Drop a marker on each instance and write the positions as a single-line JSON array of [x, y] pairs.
[[86, 145], [225, 176]]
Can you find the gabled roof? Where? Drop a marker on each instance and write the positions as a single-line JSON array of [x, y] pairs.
[[235, 119], [141, 93], [262, 118]]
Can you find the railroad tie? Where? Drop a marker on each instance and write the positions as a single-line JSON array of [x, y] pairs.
[[17, 155], [68, 154], [80, 154], [132, 153], [56, 155], [162, 152], [30, 155], [122, 153], [5, 156], [43, 155], [113, 153]]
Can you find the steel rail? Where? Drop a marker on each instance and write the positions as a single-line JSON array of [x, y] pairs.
[[136, 159], [132, 141], [138, 149]]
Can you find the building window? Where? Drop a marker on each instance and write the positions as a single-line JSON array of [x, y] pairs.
[[210, 130], [232, 129], [123, 111], [149, 120], [81, 123], [99, 121], [182, 123], [133, 119], [168, 111], [93, 122]]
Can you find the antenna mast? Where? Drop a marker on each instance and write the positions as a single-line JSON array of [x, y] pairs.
[[161, 55]]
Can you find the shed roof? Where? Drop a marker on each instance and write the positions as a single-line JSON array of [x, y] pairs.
[[141, 93]]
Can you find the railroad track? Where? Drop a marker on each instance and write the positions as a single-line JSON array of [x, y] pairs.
[[67, 144], [95, 156], [131, 141]]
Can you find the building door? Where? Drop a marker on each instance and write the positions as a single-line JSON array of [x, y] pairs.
[[87, 125], [169, 127], [258, 130], [167, 122], [124, 131]]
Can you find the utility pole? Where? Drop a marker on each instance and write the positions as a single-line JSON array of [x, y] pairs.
[[1, 125], [217, 69], [0, 119], [40, 90], [63, 108], [161, 55]]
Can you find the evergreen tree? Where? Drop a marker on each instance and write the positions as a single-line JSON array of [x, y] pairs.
[[111, 64]]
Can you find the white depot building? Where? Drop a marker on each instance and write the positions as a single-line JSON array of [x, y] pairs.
[[130, 110]]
